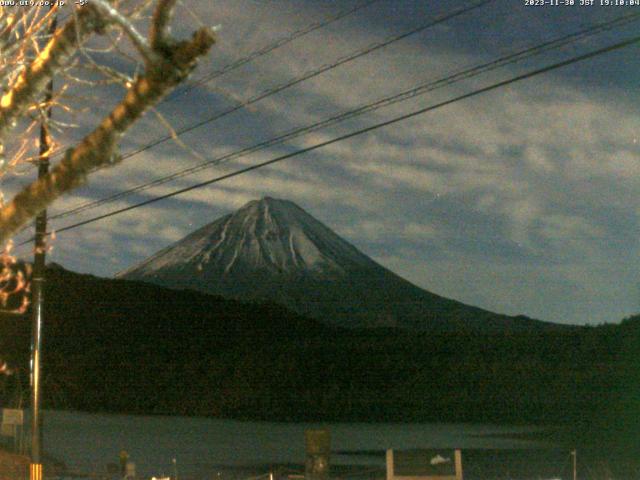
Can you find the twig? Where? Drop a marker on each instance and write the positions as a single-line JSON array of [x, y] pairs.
[[160, 24], [175, 60], [136, 38], [33, 80]]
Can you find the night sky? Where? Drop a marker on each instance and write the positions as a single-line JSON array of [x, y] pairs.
[[522, 200]]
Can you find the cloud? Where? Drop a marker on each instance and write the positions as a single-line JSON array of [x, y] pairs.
[[516, 200]]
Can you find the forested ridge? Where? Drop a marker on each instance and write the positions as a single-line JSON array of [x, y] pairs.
[[121, 346]]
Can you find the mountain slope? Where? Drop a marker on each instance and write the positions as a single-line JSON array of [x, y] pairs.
[[272, 250]]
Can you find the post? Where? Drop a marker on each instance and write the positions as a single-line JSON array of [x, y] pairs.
[[458, 462], [318, 448], [390, 473], [574, 455], [124, 458], [37, 286]]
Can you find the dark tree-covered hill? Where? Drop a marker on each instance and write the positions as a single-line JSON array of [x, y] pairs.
[[125, 346]]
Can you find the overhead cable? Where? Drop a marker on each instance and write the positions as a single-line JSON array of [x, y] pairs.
[[361, 131], [366, 108]]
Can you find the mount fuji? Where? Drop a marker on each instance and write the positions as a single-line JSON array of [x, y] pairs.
[[272, 250]]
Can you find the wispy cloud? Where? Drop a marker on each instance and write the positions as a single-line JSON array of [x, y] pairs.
[[522, 200]]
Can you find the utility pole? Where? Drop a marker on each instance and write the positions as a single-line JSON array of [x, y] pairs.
[[37, 286]]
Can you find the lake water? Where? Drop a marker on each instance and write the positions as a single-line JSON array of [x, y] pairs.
[[88, 442]]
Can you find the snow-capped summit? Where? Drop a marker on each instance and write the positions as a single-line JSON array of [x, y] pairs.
[[272, 250], [269, 235]]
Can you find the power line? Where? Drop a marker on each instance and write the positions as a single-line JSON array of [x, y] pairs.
[[389, 100], [271, 47], [371, 128], [342, 60], [280, 42], [312, 74]]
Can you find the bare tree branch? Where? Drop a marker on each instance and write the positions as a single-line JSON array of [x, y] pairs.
[[160, 23], [34, 79], [173, 61], [136, 38]]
